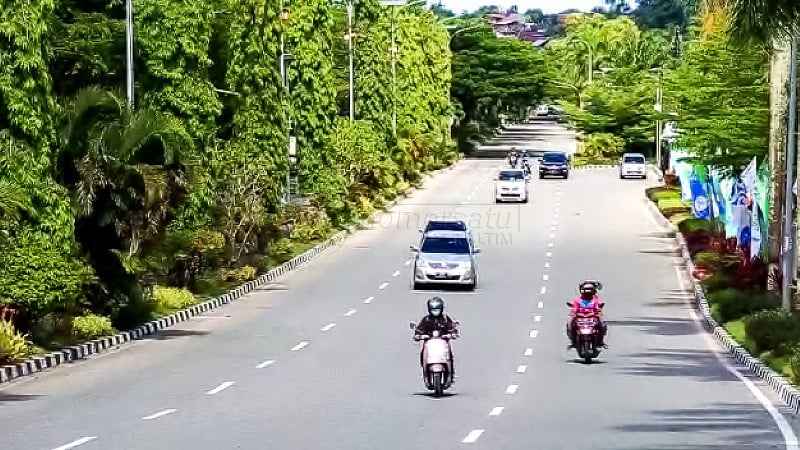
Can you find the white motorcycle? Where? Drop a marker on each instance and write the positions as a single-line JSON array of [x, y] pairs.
[[436, 360]]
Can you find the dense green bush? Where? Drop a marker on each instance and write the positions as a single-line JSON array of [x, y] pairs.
[[242, 274], [772, 329], [173, 298], [91, 326], [662, 193], [14, 347], [281, 251], [731, 304], [794, 363], [692, 224], [602, 145]]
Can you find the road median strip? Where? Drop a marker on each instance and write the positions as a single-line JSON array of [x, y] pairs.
[[787, 393], [88, 349]]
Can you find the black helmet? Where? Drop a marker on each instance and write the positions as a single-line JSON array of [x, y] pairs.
[[588, 289], [436, 306]]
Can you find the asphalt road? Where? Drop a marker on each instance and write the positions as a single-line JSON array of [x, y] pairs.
[[324, 359]]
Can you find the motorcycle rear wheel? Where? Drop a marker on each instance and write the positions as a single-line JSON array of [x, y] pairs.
[[438, 388]]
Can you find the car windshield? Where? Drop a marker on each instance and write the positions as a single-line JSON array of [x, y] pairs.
[[449, 226], [510, 176], [554, 158], [445, 245], [634, 160]]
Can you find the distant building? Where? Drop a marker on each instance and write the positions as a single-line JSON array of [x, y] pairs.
[[513, 25]]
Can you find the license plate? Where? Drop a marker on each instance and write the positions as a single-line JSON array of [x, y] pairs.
[[586, 331]]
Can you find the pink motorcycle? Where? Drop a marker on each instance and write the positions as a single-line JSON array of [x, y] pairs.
[[436, 361], [587, 335]]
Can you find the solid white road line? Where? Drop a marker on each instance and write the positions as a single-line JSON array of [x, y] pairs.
[[76, 443], [497, 410], [472, 436], [159, 414], [533, 334], [543, 290], [369, 300], [383, 286], [789, 438], [300, 346], [528, 351], [545, 277], [511, 389], [266, 363], [220, 388], [328, 327], [537, 318], [349, 313], [522, 369], [396, 273], [540, 305]]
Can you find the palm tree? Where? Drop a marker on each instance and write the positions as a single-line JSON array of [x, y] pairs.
[[774, 23], [126, 172]]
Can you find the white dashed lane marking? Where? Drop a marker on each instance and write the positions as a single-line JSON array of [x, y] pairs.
[[540, 305], [349, 313], [549, 254], [383, 286], [543, 290], [552, 235], [522, 369], [76, 443], [266, 363], [545, 277], [328, 327], [496, 411], [473, 436], [533, 333], [369, 300], [220, 388], [407, 263], [547, 265], [528, 351], [537, 318], [299, 346], [549, 244], [159, 414], [396, 273], [511, 389]]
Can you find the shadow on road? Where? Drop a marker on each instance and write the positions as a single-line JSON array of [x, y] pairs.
[[431, 396], [662, 326], [172, 334], [736, 426], [698, 364], [7, 398]]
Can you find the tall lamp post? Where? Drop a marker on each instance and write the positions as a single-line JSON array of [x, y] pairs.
[[393, 4], [292, 146], [129, 51], [351, 73], [787, 258], [659, 107]]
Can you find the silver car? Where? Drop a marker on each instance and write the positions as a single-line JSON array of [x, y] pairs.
[[446, 257]]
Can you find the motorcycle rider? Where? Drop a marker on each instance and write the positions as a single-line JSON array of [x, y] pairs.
[[512, 157], [435, 320], [587, 299]]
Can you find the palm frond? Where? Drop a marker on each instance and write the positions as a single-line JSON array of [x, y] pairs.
[[762, 20]]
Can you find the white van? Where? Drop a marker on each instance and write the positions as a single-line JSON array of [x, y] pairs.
[[632, 165]]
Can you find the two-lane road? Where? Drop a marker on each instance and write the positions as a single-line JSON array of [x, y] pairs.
[[324, 359]]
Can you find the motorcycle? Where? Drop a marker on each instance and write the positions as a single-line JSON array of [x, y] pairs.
[[586, 331], [436, 359]]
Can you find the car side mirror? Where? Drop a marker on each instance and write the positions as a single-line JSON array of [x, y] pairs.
[[412, 325], [420, 231], [477, 250], [414, 249], [569, 304], [602, 305]]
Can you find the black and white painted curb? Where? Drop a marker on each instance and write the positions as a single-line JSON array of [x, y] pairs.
[[788, 393], [595, 167], [91, 348]]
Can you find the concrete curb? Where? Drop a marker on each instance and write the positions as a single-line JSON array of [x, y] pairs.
[[788, 393], [595, 167], [91, 348]]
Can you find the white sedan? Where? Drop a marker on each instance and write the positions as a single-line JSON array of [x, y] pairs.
[[511, 185]]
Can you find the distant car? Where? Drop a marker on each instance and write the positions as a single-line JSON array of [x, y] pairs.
[[511, 185], [543, 110], [446, 257], [554, 164], [447, 225], [632, 165]]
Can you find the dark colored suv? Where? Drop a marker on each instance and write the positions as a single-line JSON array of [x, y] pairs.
[[554, 164]]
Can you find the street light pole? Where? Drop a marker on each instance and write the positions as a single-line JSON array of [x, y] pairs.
[[787, 259], [394, 74], [129, 51], [350, 51]]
